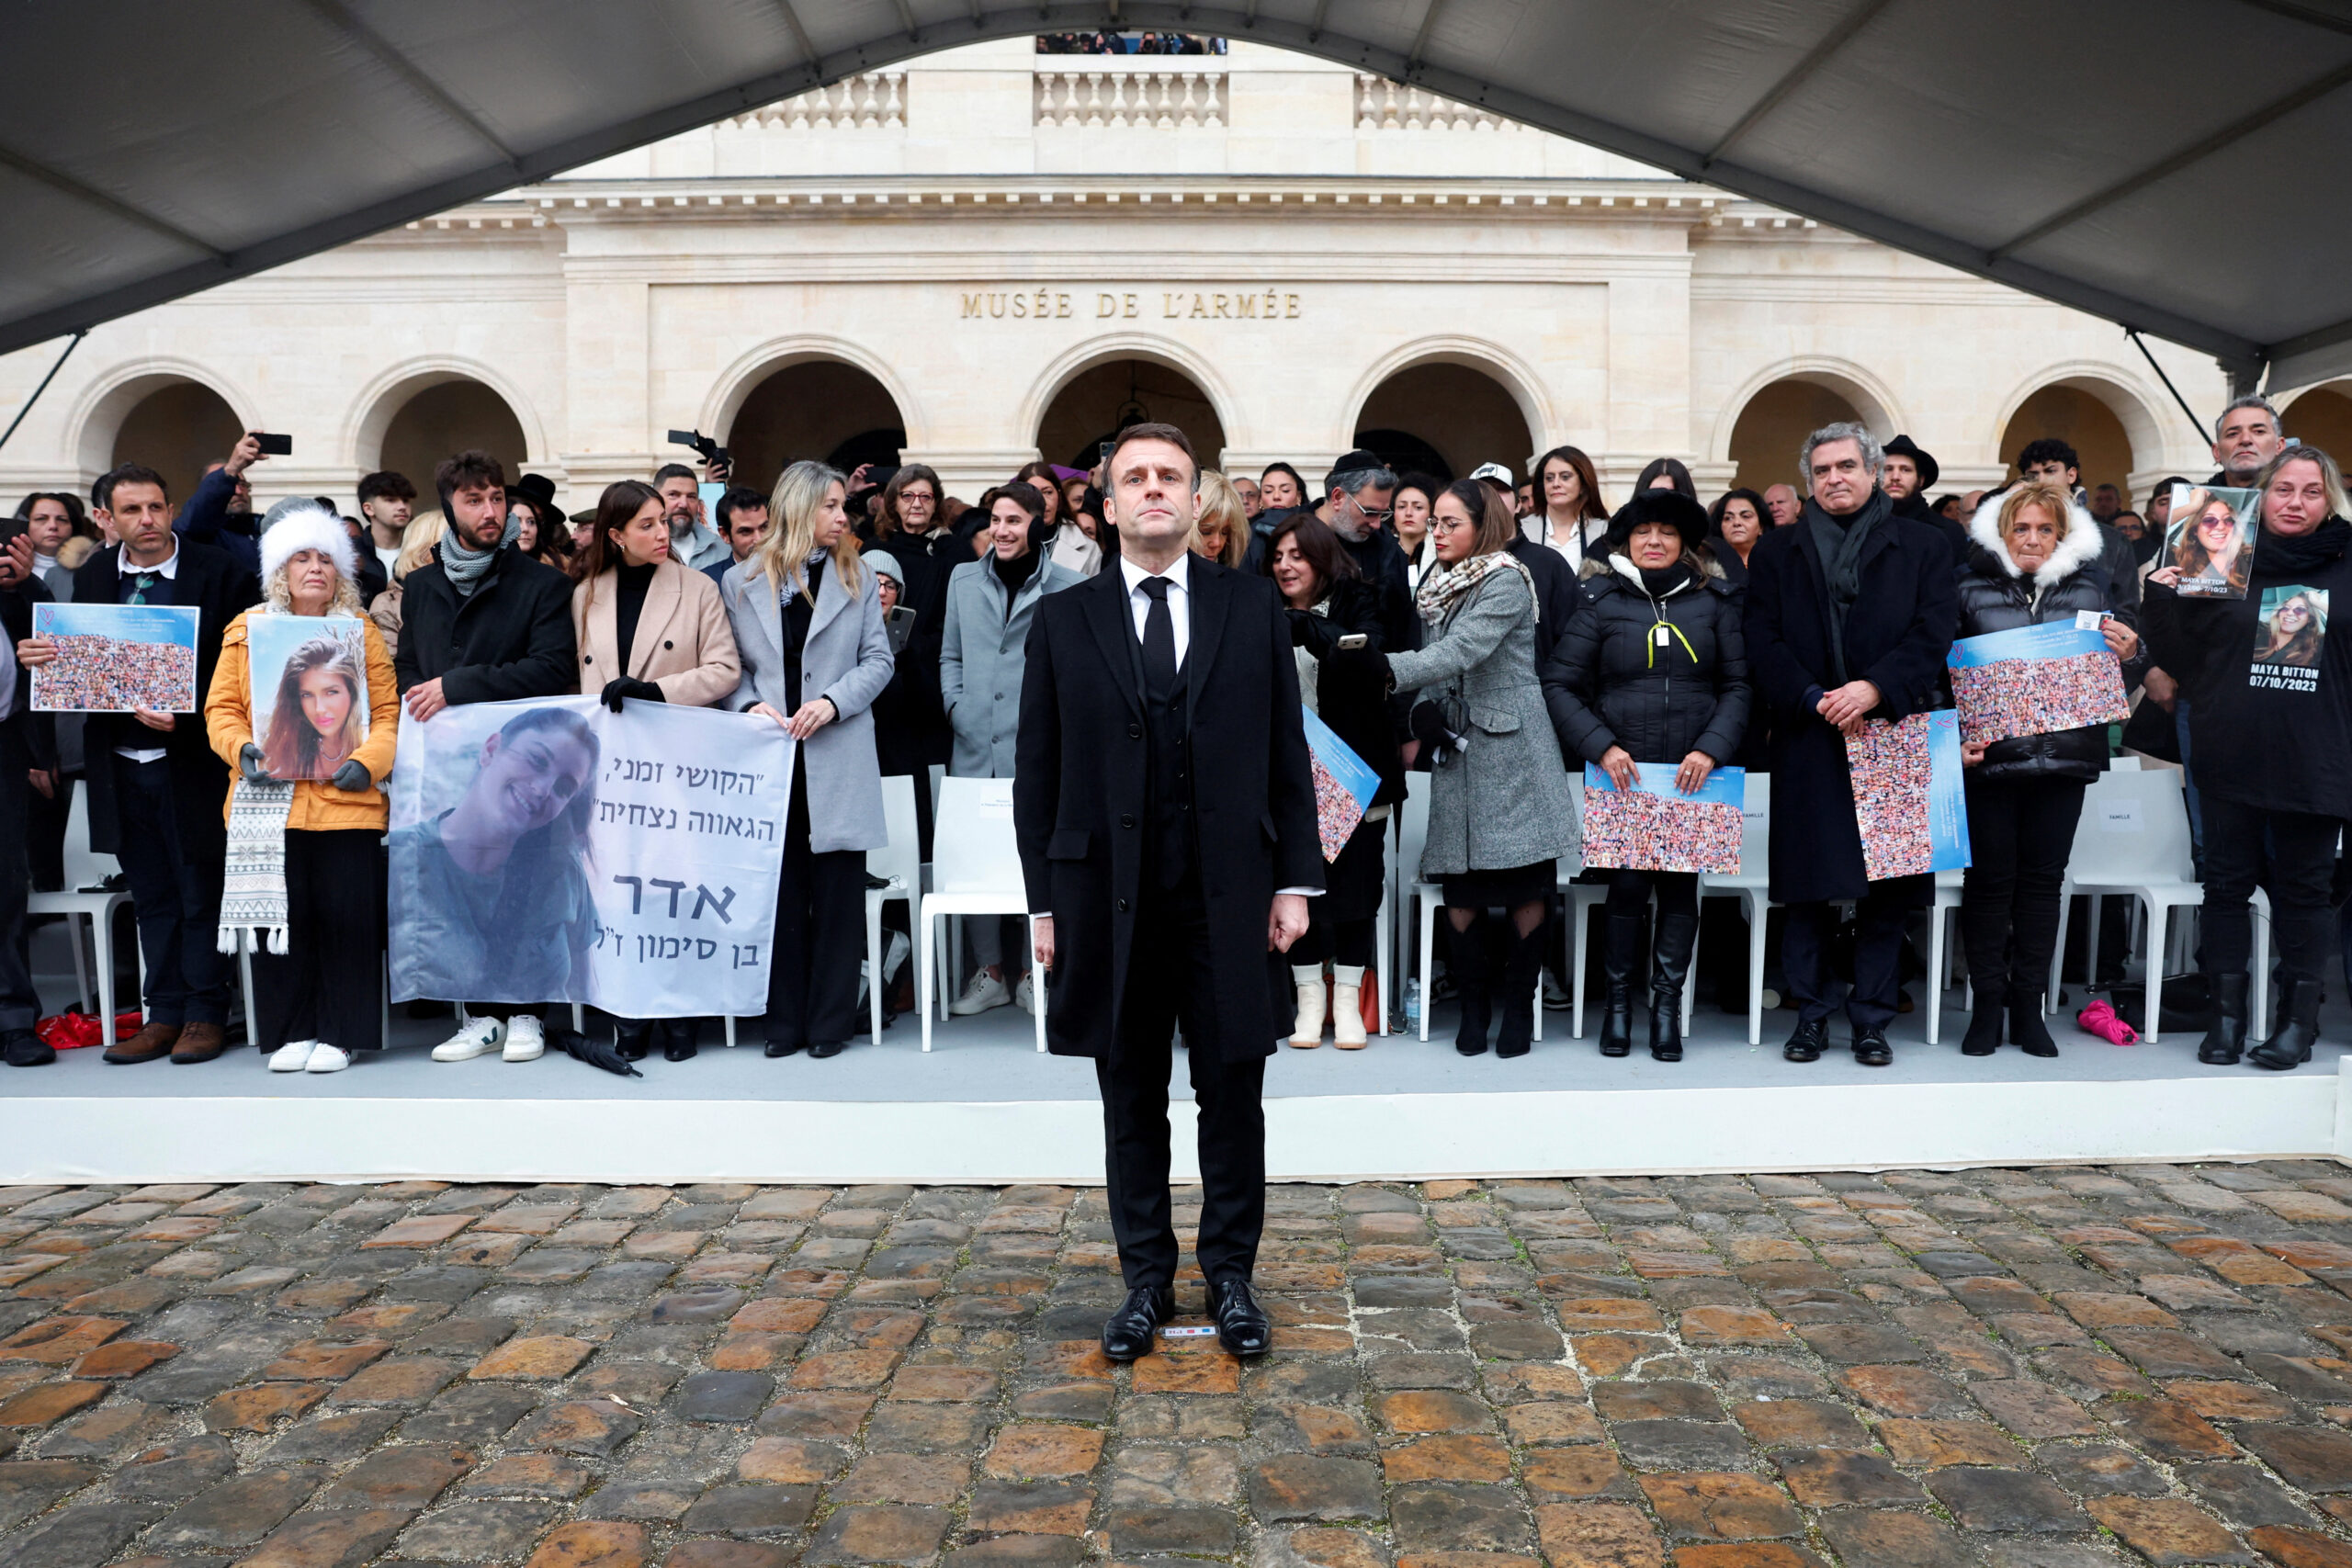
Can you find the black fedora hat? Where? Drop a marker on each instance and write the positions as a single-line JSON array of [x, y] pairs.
[[1929, 470]]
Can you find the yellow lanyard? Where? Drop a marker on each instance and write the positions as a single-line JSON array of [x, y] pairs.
[[1653, 641]]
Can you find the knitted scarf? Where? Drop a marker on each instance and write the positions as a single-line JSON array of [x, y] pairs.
[[253, 890], [1443, 588]]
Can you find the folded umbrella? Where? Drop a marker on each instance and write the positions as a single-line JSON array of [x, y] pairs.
[[595, 1053]]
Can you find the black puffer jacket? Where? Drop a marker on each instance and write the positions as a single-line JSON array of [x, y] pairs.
[[1994, 596], [1609, 683]]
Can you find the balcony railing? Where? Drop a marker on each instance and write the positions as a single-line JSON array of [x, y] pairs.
[[866, 102], [1158, 99], [1384, 105]]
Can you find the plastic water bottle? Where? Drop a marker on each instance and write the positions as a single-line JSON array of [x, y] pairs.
[[1413, 1006]]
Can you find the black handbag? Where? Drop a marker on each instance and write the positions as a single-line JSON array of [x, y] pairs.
[[2188, 1003]]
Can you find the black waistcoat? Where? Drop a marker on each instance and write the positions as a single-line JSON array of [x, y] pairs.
[[1174, 853]]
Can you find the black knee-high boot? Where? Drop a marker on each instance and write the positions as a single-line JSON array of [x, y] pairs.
[[1470, 960], [1522, 960], [1669, 964], [1621, 944]]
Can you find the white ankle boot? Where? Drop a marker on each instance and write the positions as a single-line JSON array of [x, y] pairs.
[[1347, 1007], [1308, 1032]]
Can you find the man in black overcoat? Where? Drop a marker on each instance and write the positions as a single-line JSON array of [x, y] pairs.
[[1850, 611], [156, 786], [28, 746], [1156, 902]]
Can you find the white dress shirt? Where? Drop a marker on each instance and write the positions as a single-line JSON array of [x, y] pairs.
[[169, 568], [1179, 599]]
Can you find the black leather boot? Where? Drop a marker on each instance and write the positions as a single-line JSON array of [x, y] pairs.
[[1470, 961], [2290, 1043], [1522, 960], [678, 1038], [1620, 944], [1983, 1036], [2028, 1032], [1669, 964], [632, 1038], [2224, 1041]]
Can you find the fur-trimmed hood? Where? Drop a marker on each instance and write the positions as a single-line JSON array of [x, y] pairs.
[[2083, 544]]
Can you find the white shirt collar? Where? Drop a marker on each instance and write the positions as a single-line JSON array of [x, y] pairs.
[[170, 567], [1177, 574]]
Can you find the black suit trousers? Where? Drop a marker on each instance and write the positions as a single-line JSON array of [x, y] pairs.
[[18, 1005], [1171, 980], [176, 890], [820, 935]]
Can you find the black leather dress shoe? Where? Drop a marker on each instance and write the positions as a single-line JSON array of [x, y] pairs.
[[1871, 1048], [1807, 1044], [1134, 1327], [785, 1047], [821, 1049], [1241, 1325], [23, 1048]]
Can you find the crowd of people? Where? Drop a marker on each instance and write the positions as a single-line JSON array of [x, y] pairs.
[[1499, 633]]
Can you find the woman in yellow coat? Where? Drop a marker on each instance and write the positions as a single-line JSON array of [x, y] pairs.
[[306, 817]]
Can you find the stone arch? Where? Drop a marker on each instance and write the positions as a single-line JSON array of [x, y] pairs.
[[809, 397], [98, 414], [1458, 375], [1116, 348], [2321, 416], [1784, 402], [740, 379], [2089, 406], [381, 401]]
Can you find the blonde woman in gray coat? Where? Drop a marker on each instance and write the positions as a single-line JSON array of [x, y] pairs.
[[808, 623], [981, 660], [1499, 806]]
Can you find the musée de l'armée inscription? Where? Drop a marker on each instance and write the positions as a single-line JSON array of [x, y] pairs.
[[1171, 305]]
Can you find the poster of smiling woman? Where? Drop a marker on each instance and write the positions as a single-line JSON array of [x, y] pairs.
[[309, 692], [554, 850]]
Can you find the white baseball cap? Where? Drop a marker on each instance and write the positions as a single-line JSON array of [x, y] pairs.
[[1495, 471]]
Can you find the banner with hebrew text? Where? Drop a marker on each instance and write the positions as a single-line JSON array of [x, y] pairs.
[[553, 850]]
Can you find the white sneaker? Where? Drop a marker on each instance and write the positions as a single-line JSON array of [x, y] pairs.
[[986, 991], [326, 1059], [292, 1056], [527, 1041], [1024, 997], [479, 1037]]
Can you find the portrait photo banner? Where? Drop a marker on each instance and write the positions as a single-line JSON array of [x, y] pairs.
[[553, 850]]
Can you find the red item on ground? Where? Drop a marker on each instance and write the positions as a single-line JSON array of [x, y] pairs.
[[74, 1029], [2101, 1019]]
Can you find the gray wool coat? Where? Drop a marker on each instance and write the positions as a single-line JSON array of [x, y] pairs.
[[847, 659], [982, 658], [1503, 802]]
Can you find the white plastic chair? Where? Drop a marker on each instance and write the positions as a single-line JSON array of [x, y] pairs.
[[1939, 917], [1583, 899], [2133, 839], [975, 870], [84, 867], [1750, 886], [900, 864]]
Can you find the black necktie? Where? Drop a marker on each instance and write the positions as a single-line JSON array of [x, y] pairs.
[[1158, 641]]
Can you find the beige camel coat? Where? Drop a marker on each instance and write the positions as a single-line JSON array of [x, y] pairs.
[[683, 643]]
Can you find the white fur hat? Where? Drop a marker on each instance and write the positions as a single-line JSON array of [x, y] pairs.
[[305, 525]]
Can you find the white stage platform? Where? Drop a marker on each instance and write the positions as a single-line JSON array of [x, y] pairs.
[[985, 1107]]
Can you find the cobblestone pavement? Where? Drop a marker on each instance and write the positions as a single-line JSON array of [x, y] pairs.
[[2035, 1368]]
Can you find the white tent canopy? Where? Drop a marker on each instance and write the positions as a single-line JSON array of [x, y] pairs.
[[2174, 165]]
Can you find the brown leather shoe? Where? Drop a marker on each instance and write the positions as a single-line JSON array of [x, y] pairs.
[[199, 1043], [149, 1044]]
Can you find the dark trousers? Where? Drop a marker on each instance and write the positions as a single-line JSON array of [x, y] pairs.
[[2020, 832], [1345, 942], [328, 984], [176, 889], [1170, 980], [820, 936], [2300, 866], [45, 822], [18, 1006], [1879, 919]]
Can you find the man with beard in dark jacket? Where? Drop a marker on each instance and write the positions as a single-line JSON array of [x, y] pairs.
[[1906, 476], [1358, 511], [481, 622], [1850, 612]]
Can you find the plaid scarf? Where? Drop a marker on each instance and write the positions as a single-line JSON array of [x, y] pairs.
[[1443, 588]]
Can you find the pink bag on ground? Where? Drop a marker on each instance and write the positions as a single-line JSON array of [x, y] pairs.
[[2100, 1019]]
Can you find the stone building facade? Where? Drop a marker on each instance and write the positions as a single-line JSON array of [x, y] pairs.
[[991, 253]]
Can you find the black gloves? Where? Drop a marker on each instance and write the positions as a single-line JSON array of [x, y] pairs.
[[352, 777], [1313, 632], [1427, 722], [628, 686], [249, 765]]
